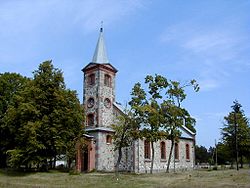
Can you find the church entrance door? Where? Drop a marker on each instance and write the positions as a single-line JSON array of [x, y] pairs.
[[85, 160]]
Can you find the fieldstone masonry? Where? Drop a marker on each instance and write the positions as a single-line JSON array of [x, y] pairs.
[[105, 154], [143, 165]]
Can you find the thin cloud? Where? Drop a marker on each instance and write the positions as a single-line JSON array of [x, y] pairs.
[[107, 11], [208, 84], [25, 16], [197, 118], [216, 51], [217, 43], [31, 28], [216, 115]]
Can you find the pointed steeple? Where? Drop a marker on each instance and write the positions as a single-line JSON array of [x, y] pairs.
[[100, 58], [100, 55]]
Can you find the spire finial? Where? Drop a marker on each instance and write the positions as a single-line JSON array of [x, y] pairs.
[[101, 29]]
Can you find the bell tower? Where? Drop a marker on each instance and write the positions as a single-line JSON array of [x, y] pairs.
[[99, 88], [99, 102]]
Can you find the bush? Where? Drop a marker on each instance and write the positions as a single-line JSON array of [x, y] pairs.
[[223, 167], [74, 172]]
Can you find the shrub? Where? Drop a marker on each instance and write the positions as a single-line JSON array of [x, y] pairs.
[[74, 172]]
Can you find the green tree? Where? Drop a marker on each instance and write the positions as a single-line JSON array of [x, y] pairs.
[[236, 133], [201, 154], [125, 128], [146, 106], [174, 114], [71, 124], [224, 154], [10, 84], [158, 110], [46, 118]]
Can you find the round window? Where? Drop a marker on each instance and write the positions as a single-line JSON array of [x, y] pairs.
[[90, 102]]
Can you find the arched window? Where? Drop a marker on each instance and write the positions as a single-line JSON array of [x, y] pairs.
[[146, 149], [90, 120], [108, 139], [91, 79], [187, 152], [163, 150], [107, 80], [107, 103], [176, 151]]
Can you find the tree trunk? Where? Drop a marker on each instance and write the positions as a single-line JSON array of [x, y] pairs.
[[38, 166], [69, 163], [241, 161], [54, 162], [118, 160], [51, 163], [232, 165], [170, 154], [45, 166], [119, 154], [153, 157]]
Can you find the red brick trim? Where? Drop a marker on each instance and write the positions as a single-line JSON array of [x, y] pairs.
[[100, 67]]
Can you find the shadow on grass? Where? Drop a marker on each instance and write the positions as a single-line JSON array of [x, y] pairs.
[[23, 172], [15, 172]]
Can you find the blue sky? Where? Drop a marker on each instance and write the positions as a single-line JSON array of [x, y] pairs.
[[204, 40]]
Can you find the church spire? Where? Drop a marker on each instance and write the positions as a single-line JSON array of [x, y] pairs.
[[100, 55]]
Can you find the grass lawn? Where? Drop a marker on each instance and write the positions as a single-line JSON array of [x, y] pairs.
[[203, 179]]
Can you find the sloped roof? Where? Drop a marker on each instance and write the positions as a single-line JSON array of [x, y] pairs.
[[107, 66], [188, 130], [100, 58], [100, 55], [183, 127], [119, 107]]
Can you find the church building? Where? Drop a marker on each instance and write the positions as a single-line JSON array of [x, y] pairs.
[[101, 109]]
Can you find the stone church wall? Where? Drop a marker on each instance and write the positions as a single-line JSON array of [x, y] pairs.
[[91, 91], [105, 155], [143, 165], [105, 113], [127, 160]]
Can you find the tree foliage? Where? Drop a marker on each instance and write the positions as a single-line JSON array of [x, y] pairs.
[[145, 105], [158, 110], [10, 84], [201, 154], [224, 154], [126, 131], [45, 118], [242, 129], [175, 115]]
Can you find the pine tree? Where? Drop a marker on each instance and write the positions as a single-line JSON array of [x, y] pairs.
[[236, 133]]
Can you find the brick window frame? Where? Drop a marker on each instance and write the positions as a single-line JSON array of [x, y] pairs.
[[108, 139], [91, 79], [107, 103], [90, 120], [163, 150], [187, 147], [147, 150], [176, 151], [107, 80]]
